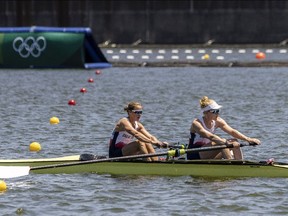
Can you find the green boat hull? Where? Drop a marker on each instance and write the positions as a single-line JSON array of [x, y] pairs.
[[196, 168], [183, 168]]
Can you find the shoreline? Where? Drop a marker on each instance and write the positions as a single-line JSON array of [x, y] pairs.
[[192, 55], [200, 64], [168, 46]]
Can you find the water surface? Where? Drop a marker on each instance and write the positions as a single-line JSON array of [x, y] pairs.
[[254, 101]]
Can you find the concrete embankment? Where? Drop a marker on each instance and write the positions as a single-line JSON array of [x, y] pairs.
[[272, 55]]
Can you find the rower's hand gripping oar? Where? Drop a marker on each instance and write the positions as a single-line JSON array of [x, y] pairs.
[[17, 171], [230, 145], [250, 144]]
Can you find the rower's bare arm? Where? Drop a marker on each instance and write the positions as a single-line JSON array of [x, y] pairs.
[[153, 139], [235, 133], [146, 133], [137, 134], [198, 128]]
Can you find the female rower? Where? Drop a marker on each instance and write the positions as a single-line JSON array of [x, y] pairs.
[[202, 134], [122, 142]]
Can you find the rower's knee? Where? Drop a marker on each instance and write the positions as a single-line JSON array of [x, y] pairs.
[[141, 144], [142, 147]]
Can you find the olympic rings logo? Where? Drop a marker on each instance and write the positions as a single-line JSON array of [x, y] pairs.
[[29, 46]]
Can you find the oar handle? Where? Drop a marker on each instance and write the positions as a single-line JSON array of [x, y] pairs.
[[249, 144]]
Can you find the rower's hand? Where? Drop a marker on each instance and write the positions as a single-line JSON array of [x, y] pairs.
[[157, 143], [254, 141], [233, 143], [164, 145], [161, 144]]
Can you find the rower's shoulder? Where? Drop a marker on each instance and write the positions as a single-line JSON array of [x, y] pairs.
[[123, 120], [220, 121]]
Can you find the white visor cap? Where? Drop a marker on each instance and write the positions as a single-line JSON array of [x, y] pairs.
[[211, 106]]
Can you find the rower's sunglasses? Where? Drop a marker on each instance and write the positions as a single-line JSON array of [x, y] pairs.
[[215, 111], [137, 112]]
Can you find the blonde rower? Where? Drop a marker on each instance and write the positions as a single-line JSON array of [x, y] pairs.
[[202, 134]]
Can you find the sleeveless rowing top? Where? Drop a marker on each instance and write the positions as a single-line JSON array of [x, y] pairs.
[[197, 139], [121, 138]]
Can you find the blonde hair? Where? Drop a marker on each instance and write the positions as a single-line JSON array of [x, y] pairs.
[[205, 101], [131, 106]]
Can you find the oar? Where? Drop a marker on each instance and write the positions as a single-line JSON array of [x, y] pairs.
[[17, 171], [13, 171]]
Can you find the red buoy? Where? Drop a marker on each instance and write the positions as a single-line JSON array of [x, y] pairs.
[[98, 72], [72, 102], [83, 90], [90, 80], [260, 55]]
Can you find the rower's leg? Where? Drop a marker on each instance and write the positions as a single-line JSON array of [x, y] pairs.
[[226, 154], [237, 153], [151, 150], [211, 154], [135, 148], [217, 154]]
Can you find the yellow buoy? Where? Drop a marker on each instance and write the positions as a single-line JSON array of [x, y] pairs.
[[3, 186], [54, 120], [35, 146], [205, 57]]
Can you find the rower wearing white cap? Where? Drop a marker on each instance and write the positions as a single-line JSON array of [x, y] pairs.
[[202, 134]]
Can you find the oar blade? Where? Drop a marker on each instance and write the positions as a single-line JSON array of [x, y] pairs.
[[13, 171]]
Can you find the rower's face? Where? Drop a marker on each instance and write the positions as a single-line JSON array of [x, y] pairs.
[[136, 113], [213, 114]]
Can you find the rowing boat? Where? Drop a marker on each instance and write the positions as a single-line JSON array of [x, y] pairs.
[[202, 168], [171, 167]]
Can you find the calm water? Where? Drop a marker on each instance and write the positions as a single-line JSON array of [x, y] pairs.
[[254, 101]]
